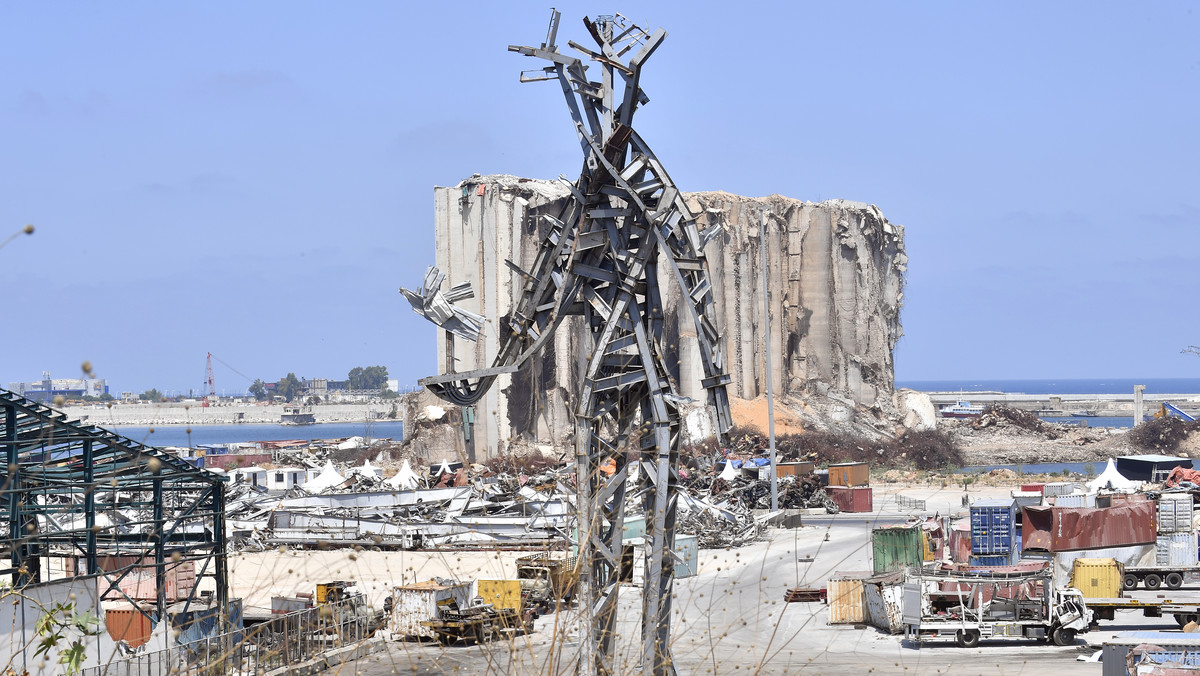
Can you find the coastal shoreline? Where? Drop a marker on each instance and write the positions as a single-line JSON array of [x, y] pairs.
[[195, 415]]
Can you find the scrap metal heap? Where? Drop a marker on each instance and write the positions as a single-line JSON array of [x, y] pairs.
[[626, 220], [92, 500]]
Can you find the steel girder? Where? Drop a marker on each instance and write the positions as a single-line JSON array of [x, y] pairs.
[[624, 221], [77, 491]]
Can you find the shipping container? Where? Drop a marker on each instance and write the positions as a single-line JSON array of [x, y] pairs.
[[127, 623], [992, 524], [1167, 644], [847, 603], [1098, 578], [852, 500], [802, 468], [895, 549], [1074, 500], [1176, 550], [1059, 488], [1032, 488], [1026, 499], [883, 597], [139, 583], [1057, 529], [1010, 558], [416, 603], [1175, 512], [500, 593], [849, 474]]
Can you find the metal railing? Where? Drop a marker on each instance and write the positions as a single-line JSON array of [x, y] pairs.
[[904, 503], [283, 640]]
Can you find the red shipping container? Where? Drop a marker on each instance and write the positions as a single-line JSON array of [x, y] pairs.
[[960, 541], [1032, 488], [139, 583], [852, 500], [1060, 529]]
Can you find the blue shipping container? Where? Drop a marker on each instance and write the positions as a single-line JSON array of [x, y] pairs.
[[992, 560], [992, 524]]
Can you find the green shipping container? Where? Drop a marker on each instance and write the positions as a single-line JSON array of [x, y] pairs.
[[896, 548]]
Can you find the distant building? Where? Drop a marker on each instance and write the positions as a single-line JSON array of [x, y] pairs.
[[48, 388]]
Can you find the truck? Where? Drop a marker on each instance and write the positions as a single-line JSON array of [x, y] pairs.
[[1106, 587], [970, 606]]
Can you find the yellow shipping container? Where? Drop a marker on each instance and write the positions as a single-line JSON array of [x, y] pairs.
[[1098, 578], [846, 602], [500, 593]]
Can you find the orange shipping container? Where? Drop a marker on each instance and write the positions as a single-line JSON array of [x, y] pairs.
[[849, 474], [794, 468], [127, 623]]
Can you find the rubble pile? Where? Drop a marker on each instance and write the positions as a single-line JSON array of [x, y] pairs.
[[455, 504]]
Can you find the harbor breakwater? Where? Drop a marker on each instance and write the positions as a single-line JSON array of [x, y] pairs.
[[194, 414]]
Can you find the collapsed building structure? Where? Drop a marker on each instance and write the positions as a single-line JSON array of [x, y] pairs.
[[835, 271]]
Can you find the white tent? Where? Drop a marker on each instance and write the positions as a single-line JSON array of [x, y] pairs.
[[1113, 480], [367, 469], [405, 479], [328, 478]]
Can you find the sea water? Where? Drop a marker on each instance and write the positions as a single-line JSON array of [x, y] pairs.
[[1057, 386]]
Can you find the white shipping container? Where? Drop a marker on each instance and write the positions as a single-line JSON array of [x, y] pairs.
[[1075, 500], [1059, 488], [1176, 549], [1175, 513], [416, 603]]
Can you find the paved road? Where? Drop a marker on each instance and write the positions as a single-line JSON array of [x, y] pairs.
[[731, 619]]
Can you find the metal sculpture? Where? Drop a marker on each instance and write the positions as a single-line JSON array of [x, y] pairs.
[[624, 220]]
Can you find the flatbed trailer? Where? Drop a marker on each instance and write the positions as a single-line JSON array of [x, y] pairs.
[[1157, 577], [1183, 609]]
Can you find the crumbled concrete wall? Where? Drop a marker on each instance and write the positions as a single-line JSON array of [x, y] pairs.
[[835, 272]]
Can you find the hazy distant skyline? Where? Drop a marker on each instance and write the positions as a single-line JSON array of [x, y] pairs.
[[256, 181]]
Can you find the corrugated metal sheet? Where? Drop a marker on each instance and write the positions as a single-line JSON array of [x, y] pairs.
[[884, 604], [897, 548], [1075, 500], [1032, 488], [1174, 512], [1067, 528], [1117, 649], [1097, 578], [1176, 549], [1128, 556], [995, 560], [854, 500], [960, 542], [1027, 498], [416, 603], [847, 602], [687, 552], [992, 523], [1059, 488], [139, 583], [127, 623], [849, 474]]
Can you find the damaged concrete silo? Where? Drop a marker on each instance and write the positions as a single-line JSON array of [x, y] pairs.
[[835, 270]]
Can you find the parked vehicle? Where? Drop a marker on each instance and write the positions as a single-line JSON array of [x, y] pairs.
[[971, 607]]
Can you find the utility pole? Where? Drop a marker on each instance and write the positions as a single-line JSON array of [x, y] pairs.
[[766, 331]]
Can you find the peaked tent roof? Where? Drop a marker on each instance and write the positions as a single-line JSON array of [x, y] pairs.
[[328, 478], [1111, 479], [405, 478]]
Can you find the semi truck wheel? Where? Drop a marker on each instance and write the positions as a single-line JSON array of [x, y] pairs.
[[1131, 581], [1064, 636], [1173, 580], [1153, 581], [967, 638]]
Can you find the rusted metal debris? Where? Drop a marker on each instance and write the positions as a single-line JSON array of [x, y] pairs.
[[625, 223]]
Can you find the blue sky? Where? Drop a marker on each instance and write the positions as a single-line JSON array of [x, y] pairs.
[[255, 179]]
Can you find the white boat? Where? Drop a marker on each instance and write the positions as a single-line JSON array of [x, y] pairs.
[[962, 409]]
